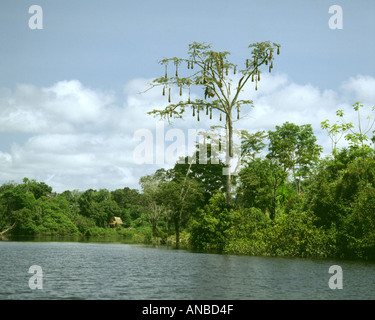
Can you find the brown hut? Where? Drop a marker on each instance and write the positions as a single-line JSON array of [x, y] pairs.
[[116, 222]]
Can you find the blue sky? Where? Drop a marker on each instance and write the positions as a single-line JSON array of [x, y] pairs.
[[69, 102]]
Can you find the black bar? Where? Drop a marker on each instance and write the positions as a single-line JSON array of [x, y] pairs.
[[183, 309]]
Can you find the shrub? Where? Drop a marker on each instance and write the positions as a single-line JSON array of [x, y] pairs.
[[209, 226], [294, 234], [357, 237]]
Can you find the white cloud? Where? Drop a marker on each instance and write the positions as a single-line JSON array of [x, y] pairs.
[[71, 101], [79, 159], [278, 100], [59, 108], [360, 88]]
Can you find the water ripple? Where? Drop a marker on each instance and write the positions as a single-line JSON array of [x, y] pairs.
[[121, 271]]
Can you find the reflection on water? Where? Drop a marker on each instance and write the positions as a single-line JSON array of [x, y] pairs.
[[86, 270]]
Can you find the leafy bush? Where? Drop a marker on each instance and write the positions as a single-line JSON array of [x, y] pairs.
[[83, 223], [357, 237], [248, 233], [26, 222], [209, 226], [294, 234]]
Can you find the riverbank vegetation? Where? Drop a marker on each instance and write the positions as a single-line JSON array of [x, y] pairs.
[[288, 200]]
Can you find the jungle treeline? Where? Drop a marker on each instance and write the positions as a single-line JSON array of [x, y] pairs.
[[289, 199]]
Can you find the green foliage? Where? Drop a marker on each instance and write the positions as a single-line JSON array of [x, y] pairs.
[[251, 232], [38, 189], [256, 185], [357, 235], [181, 196], [294, 234], [251, 144], [28, 222], [99, 206], [103, 212], [209, 175], [84, 224], [210, 225], [126, 217], [47, 218], [248, 234], [295, 148]]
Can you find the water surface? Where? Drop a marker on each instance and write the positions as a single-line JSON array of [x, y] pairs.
[[75, 270]]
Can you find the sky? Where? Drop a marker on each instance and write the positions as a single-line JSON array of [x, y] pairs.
[[70, 93]]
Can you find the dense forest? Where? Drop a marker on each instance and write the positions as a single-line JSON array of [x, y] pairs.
[[288, 199]]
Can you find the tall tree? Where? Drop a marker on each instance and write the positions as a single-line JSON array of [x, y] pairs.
[[295, 148], [172, 193], [153, 197], [357, 137], [212, 72], [182, 196], [39, 189], [251, 145], [257, 185]]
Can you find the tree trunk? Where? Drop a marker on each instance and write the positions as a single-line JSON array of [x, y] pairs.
[[229, 189], [229, 155], [273, 211], [154, 228], [177, 229], [6, 230]]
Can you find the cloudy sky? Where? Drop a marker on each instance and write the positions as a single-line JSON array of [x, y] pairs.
[[69, 93]]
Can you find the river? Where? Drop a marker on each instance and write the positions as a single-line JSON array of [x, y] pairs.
[[117, 271]]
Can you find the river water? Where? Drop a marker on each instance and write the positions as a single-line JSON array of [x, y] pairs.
[[117, 271]]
